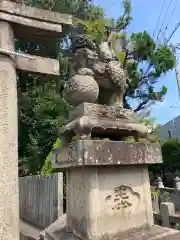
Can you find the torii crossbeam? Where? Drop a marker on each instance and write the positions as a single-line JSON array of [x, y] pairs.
[[18, 20]]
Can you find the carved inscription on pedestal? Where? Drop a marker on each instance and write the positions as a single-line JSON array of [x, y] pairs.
[[123, 198]]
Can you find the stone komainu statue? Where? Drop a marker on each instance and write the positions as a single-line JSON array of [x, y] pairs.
[[97, 75], [82, 41]]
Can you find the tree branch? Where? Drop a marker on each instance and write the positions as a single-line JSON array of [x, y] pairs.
[[148, 69], [147, 76], [141, 105], [139, 96], [125, 12], [121, 23], [131, 53]]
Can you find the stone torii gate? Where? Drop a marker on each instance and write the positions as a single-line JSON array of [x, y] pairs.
[[18, 20]]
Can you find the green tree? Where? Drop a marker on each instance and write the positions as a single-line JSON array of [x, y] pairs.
[[47, 167], [171, 155], [42, 109], [40, 113], [143, 60], [159, 60]]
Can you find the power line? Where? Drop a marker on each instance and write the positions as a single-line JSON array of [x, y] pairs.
[[157, 23], [149, 67], [173, 32], [164, 19], [171, 16], [162, 8]]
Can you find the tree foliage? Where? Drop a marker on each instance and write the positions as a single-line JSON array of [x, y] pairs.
[[143, 60], [124, 20], [171, 160], [171, 155], [42, 109], [47, 167], [40, 112], [145, 63]]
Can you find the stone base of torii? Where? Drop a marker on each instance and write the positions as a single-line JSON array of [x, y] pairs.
[[18, 20]]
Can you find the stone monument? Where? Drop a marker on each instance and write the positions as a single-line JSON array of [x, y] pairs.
[[18, 21], [108, 190]]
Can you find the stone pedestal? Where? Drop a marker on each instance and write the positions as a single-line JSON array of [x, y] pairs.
[[108, 190], [104, 202], [108, 187]]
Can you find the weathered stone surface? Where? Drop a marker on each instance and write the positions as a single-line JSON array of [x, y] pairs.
[[34, 13], [105, 202], [97, 110], [59, 231], [99, 69], [26, 20], [104, 52], [101, 153], [82, 41], [84, 58], [155, 232], [108, 186], [82, 88], [107, 70], [115, 129], [117, 74], [116, 99], [31, 28], [9, 194], [167, 209], [107, 95], [27, 231], [85, 71], [37, 64], [87, 58]]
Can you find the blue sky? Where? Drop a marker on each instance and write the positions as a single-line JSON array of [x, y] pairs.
[[145, 14]]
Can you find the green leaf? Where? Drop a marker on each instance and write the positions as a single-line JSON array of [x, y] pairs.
[[121, 57]]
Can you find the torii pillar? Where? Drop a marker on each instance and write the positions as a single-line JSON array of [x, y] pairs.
[[17, 20], [9, 210]]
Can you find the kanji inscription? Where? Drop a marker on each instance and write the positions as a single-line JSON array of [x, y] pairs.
[[123, 197]]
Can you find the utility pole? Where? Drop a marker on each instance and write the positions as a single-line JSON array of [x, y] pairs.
[[177, 71]]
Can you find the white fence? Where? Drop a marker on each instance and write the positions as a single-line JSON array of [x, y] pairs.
[[41, 199]]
